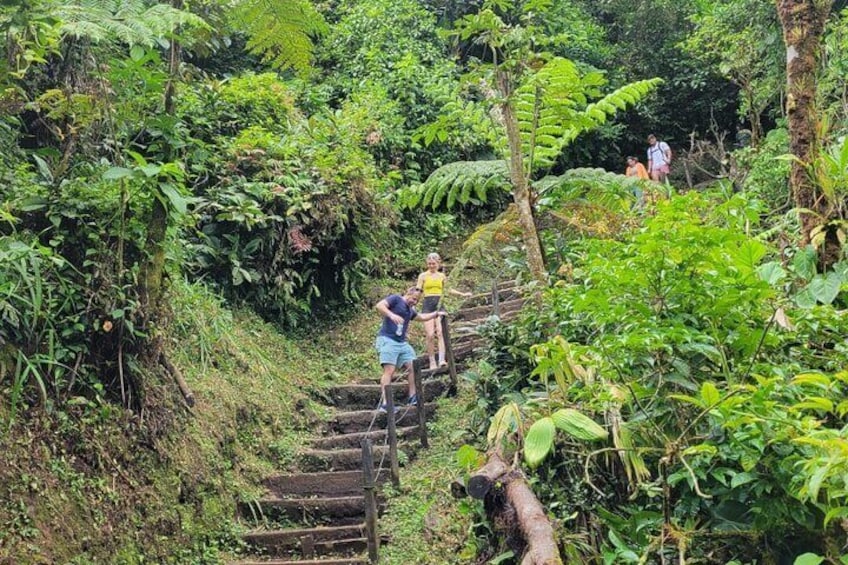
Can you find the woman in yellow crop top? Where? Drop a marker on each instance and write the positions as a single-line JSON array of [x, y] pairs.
[[432, 283]]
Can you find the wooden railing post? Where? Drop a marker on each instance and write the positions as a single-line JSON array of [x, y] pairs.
[[370, 501], [391, 432], [422, 416], [448, 354], [307, 546]]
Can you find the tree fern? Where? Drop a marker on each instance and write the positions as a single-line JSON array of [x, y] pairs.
[[552, 108], [280, 31], [133, 22], [461, 182]]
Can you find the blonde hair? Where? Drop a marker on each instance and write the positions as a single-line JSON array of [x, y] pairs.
[[434, 257]]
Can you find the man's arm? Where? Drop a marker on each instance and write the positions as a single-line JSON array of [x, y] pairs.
[[429, 315], [383, 308]]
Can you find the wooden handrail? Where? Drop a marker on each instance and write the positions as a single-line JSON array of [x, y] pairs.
[[370, 501], [422, 416], [391, 432]]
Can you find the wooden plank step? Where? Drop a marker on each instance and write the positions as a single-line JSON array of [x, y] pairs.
[[337, 459], [483, 312], [336, 483], [365, 396], [474, 339], [359, 420], [306, 510], [508, 292], [326, 540], [467, 350], [378, 437], [292, 536], [335, 561], [399, 378]]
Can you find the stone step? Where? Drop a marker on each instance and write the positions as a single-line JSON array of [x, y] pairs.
[[360, 420], [337, 483], [322, 510], [325, 540], [378, 437], [365, 396]]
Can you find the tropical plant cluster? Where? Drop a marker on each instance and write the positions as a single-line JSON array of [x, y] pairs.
[[676, 392]]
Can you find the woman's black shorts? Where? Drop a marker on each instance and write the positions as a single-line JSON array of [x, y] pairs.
[[430, 304]]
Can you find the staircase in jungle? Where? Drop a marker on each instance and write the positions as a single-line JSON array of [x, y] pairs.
[[317, 516]]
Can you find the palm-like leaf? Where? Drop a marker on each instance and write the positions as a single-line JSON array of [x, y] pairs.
[[461, 182]]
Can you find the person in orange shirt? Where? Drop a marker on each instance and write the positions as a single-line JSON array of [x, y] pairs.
[[636, 169]]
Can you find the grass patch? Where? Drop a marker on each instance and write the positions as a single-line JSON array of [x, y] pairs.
[[426, 524], [92, 483]]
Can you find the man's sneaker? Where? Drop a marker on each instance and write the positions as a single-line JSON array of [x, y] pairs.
[[413, 400], [383, 409]]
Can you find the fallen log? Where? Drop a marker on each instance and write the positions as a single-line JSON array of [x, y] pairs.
[[541, 546], [481, 482], [506, 492]]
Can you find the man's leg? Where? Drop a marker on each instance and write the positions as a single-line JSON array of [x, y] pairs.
[[410, 377], [385, 379]]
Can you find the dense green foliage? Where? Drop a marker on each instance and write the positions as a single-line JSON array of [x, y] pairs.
[[679, 389]]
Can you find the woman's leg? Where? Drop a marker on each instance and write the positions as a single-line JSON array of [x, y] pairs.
[[441, 340], [429, 330]]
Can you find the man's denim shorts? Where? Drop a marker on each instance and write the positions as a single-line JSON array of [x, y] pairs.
[[397, 353]]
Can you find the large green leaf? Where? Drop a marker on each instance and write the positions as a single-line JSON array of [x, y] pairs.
[[808, 559], [826, 288], [771, 272], [578, 425], [539, 441]]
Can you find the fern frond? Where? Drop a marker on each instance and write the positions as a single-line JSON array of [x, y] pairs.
[[280, 32], [620, 99], [460, 181], [133, 22], [608, 190], [552, 108]]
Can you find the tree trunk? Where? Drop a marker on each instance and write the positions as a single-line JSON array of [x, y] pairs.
[[153, 267], [803, 24], [521, 192]]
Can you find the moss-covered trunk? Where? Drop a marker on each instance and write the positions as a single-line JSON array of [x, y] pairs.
[[153, 267], [521, 187], [803, 24]]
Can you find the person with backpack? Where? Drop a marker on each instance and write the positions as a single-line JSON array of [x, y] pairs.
[[659, 159]]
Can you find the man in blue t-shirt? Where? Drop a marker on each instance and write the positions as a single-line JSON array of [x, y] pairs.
[[398, 311]]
